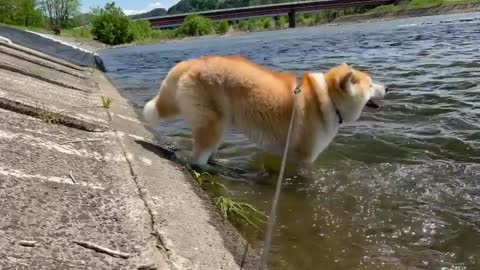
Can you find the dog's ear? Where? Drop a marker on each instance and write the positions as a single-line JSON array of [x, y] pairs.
[[347, 80]]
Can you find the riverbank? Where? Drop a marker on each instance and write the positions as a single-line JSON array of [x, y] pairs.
[[379, 15], [409, 13], [382, 13], [84, 184]]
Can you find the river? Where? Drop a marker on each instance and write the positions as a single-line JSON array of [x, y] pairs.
[[400, 188]]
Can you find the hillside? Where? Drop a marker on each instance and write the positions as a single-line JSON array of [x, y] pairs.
[[151, 13], [186, 6]]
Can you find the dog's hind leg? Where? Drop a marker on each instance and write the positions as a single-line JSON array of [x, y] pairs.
[[206, 116], [207, 138]]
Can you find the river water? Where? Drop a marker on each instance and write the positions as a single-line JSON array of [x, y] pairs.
[[399, 189]]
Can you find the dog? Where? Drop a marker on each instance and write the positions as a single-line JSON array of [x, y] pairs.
[[215, 92]]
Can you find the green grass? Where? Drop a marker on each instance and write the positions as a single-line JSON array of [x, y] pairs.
[[244, 212], [385, 9], [81, 32], [207, 181], [417, 4], [30, 28], [51, 117], [236, 212], [106, 102]]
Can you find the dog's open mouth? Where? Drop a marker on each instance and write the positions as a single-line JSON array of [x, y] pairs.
[[375, 103]]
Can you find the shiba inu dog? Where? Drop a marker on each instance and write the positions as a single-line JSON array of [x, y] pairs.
[[214, 92]]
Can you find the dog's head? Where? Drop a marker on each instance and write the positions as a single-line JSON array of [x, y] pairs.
[[353, 90]]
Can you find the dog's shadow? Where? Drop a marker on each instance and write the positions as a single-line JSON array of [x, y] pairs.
[[265, 169], [169, 152]]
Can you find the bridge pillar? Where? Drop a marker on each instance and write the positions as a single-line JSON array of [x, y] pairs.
[[291, 19], [277, 22]]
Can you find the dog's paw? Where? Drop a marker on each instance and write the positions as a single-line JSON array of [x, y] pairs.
[[205, 168]]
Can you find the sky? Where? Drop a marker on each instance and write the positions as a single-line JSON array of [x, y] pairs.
[[130, 6]]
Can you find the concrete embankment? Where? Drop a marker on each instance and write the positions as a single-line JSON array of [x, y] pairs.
[[72, 172]]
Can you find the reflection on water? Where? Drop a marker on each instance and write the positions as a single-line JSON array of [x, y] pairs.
[[399, 189]]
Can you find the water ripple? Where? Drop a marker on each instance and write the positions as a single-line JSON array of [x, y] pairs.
[[399, 189]]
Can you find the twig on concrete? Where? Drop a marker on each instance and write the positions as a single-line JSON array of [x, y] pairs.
[[27, 243], [86, 140], [244, 257], [147, 267], [73, 178], [98, 248]]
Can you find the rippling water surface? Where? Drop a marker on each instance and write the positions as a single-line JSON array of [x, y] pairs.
[[399, 189]]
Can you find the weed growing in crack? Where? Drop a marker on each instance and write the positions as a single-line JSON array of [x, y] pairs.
[[50, 117], [106, 102]]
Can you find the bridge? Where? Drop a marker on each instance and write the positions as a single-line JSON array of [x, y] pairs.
[[274, 10]]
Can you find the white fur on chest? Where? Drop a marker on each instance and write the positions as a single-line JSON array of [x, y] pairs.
[[322, 140], [326, 133]]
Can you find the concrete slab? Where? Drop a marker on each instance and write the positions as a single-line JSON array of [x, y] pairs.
[[42, 202], [56, 99], [60, 182], [38, 54], [56, 48], [51, 66]]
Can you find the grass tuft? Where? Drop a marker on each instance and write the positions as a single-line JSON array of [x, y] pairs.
[[50, 117], [245, 212], [242, 213], [106, 102]]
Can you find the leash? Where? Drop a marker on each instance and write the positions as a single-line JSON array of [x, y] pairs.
[[273, 212]]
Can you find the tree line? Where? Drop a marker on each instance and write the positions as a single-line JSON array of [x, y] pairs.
[[53, 14]]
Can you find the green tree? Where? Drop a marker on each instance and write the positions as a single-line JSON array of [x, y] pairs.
[[140, 30], [222, 27], [111, 25], [59, 12], [196, 25], [20, 12]]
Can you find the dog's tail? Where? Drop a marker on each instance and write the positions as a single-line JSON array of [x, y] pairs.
[[164, 105]]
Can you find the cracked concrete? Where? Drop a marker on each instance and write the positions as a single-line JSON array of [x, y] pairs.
[[60, 182]]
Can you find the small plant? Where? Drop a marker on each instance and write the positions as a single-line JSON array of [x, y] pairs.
[[50, 117], [106, 102], [240, 211], [207, 180]]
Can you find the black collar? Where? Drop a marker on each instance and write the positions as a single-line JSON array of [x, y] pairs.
[[298, 89], [340, 118]]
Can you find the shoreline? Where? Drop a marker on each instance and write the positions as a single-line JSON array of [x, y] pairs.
[[96, 46], [410, 13], [345, 20]]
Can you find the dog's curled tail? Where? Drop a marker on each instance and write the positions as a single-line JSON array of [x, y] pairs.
[[163, 105]]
